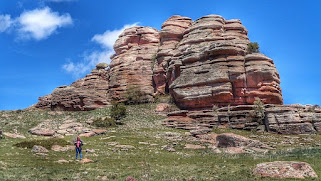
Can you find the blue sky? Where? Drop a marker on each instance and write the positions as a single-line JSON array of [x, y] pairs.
[[48, 43]]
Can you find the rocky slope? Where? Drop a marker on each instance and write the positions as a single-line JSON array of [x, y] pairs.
[[84, 94]]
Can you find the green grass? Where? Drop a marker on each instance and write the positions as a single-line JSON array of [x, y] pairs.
[[145, 162]]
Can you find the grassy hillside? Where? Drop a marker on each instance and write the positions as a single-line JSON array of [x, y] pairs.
[[142, 129]]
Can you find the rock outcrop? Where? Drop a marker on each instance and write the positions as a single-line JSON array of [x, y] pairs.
[[211, 67], [131, 66], [285, 169], [170, 35], [283, 119], [201, 64], [84, 94]]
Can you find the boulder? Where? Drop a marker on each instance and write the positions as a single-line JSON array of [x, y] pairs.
[[12, 135], [130, 178], [285, 169], [42, 132], [194, 147], [62, 148], [162, 107], [39, 149], [226, 140]]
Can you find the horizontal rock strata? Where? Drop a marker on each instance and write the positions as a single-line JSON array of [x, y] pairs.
[[283, 119], [211, 67], [131, 66], [85, 94]]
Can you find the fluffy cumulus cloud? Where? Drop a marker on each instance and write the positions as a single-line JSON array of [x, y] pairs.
[[41, 23], [5, 22], [90, 59], [35, 24]]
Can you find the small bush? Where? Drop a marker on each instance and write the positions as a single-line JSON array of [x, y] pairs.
[[135, 96], [118, 111], [253, 47], [259, 110], [104, 122], [48, 143]]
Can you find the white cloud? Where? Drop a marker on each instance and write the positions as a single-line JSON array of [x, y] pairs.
[[5, 22], [106, 42], [41, 23]]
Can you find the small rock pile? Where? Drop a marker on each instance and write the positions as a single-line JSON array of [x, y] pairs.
[[67, 128], [285, 169]]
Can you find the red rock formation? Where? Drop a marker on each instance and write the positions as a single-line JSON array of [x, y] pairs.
[[170, 35], [132, 65], [85, 94], [211, 67], [283, 119]]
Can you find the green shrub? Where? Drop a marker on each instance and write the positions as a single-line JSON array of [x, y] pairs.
[[135, 96], [104, 122], [253, 47], [48, 143], [259, 110], [118, 111]]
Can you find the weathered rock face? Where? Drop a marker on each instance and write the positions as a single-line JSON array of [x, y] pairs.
[[132, 65], [285, 169], [170, 35], [293, 119], [211, 67], [284, 119], [85, 94]]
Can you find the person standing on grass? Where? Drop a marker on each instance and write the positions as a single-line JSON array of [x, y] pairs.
[[78, 143]]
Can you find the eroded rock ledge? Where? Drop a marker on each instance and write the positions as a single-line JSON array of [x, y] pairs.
[[283, 119]]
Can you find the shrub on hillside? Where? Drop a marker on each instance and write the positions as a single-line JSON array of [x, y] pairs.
[[48, 143], [259, 111], [253, 47], [104, 122], [135, 96], [118, 111]]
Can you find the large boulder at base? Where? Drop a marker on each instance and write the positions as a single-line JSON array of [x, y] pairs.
[[211, 67], [131, 66], [285, 169], [85, 94], [225, 140]]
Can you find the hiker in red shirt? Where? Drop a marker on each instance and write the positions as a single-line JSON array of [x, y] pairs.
[[78, 145]]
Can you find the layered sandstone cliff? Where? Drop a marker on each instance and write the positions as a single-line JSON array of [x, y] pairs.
[[131, 66], [201, 64], [210, 66]]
